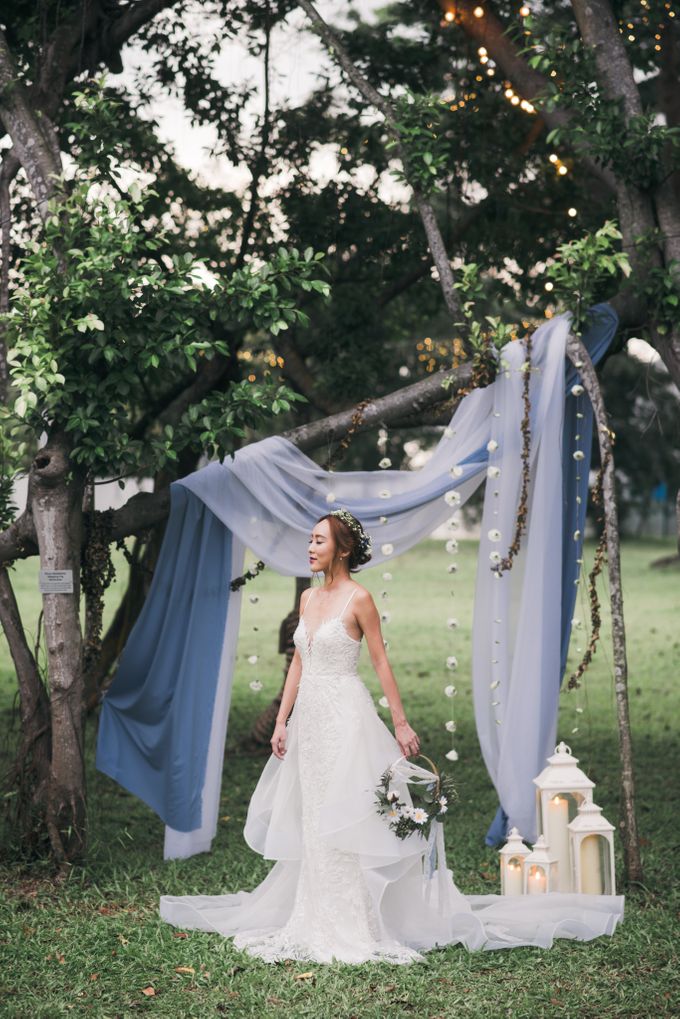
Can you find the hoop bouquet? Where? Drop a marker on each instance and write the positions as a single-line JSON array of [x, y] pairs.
[[405, 819]]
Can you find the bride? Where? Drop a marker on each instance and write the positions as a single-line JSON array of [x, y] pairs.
[[344, 887]]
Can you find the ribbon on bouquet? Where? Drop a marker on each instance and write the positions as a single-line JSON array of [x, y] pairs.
[[434, 856]]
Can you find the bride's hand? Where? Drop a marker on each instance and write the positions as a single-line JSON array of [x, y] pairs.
[[278, 740], [409, 744]]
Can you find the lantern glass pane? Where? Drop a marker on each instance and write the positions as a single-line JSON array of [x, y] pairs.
[[594, 865], [537, 880]]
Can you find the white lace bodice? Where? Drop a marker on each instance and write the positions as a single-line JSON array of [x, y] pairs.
[[330, 650]]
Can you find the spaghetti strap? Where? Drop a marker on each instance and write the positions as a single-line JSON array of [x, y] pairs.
[[347, 603], [307, 602]]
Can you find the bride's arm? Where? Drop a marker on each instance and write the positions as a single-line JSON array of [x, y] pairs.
[[290, 689], [369, 620]]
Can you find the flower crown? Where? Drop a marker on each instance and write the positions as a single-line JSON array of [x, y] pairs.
[[364, 546]]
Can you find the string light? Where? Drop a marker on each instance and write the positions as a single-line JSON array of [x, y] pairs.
[[478, 12], [524, 11], [562, 169], [572, 212], [449, 16]]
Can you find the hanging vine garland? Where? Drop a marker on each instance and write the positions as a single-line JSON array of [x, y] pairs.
[[523, 507], [343, 446], [250, 574], [598, 563]]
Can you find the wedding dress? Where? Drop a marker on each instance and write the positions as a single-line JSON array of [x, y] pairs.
[[343, 886]]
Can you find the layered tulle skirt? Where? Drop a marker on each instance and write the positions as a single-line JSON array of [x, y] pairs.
[[343, 887]]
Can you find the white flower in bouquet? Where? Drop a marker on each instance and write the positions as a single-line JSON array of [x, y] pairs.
[[419, 815], [452, 662], [255, 685], [450, 726], [385, 463], [443, 809], [452, 755], [394, 813], [442, 801], [494, 534], [452, 497], [492, 445], [450, 691], [392, 795]]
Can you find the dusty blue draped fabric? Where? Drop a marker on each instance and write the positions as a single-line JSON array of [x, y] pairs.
[[155, 719]]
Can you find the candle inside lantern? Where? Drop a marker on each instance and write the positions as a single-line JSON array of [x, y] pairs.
[[591, 874], [536, 883], [513, 878], [558, 839]]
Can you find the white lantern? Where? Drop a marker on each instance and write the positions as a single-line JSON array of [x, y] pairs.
[[592, 851], [540, 870], [512, 857], [561, 788]]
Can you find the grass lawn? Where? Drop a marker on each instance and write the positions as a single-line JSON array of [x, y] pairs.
[[93, 946]]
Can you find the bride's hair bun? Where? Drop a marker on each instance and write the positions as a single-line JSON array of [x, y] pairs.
[[350, 537]]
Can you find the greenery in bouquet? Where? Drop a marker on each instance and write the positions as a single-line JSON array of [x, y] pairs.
[[429, 802]]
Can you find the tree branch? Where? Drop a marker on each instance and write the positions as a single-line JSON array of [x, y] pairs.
[[260, 162], [434, 237], [148, 508], [29, 139], [578, 355], [490, 32]]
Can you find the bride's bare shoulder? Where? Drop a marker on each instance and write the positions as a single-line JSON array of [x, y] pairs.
[[362, 596]]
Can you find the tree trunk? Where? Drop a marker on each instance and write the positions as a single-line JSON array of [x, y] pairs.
[[28, 778], [579, 357], [263, 726], [56, 507]]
